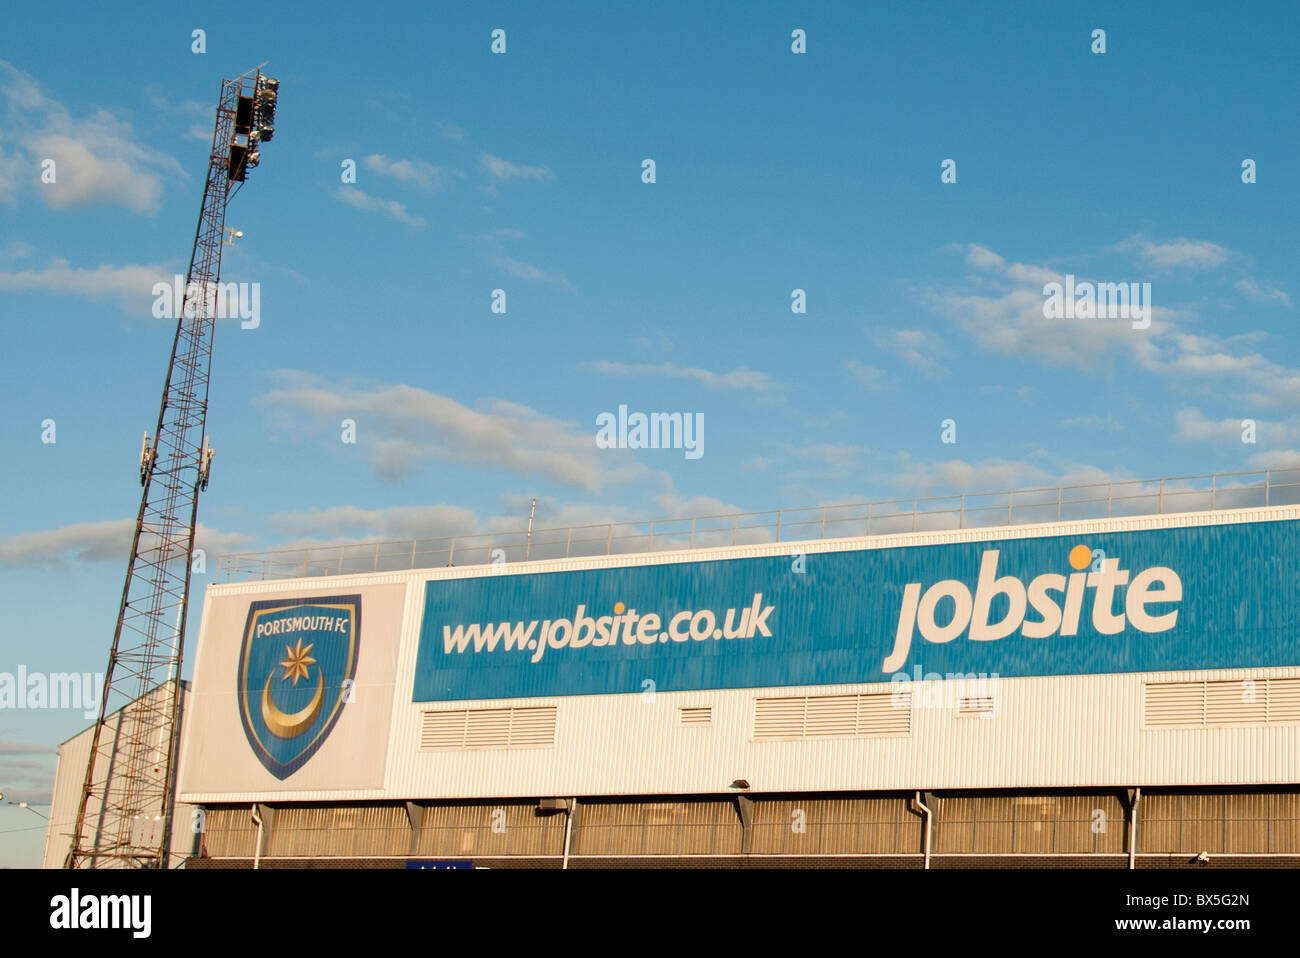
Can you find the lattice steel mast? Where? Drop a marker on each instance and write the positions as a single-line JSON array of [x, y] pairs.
[[124, 816]]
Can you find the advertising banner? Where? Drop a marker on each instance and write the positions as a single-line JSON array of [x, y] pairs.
[[1219, 596]]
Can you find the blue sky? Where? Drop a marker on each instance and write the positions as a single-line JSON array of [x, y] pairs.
[[522, 172]]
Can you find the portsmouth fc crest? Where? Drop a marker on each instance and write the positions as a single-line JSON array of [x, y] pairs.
[[296, 668]]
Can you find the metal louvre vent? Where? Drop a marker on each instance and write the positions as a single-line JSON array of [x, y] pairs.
[[1284, 700], [488, 728], [1223, 703], [975, 705], [833, 716], [1175, 703], [696, 717]]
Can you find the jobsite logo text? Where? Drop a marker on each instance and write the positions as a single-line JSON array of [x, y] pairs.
[[1156, 585]]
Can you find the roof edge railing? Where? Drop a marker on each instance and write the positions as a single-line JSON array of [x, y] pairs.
[[1126, 497]]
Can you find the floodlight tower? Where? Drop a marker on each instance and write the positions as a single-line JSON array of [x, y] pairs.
[[124, 816]]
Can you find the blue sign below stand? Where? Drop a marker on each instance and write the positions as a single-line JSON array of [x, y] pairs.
[[437, 864]]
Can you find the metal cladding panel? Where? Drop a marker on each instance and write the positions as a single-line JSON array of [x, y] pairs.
[[1045, 732], [69, 779], [832, 626]]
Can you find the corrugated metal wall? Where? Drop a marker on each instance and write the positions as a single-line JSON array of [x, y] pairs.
[[229, 832], [705, 826], [489, 829], [1069, 731], [325, 831], [69, 779], [1221, 822], [1030, 824], [812, 825]]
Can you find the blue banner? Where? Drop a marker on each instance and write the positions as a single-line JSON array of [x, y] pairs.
[[1200, 597]]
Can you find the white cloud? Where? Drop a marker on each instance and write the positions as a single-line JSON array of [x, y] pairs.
[[995, 475], [345, 525], [919, 348], [1195, 254], [832, 460], [397, 522], [736, 379], [132, 286], [96, 542], [959, 476], [503, 170], [1013, 324], [1252, 289], [528, 271], [867, 376], [1195, 426], [373, 204], [1279, 459], [1093, 421], [420, 172], [10, 171], [982, 257], [672, 504], [1011, 321], [401, 427], [1192, 424], [98, 158]]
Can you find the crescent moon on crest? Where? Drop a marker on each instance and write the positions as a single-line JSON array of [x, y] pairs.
[[290, 725]]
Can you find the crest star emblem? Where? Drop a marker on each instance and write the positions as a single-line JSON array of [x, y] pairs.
[[296, 665]]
